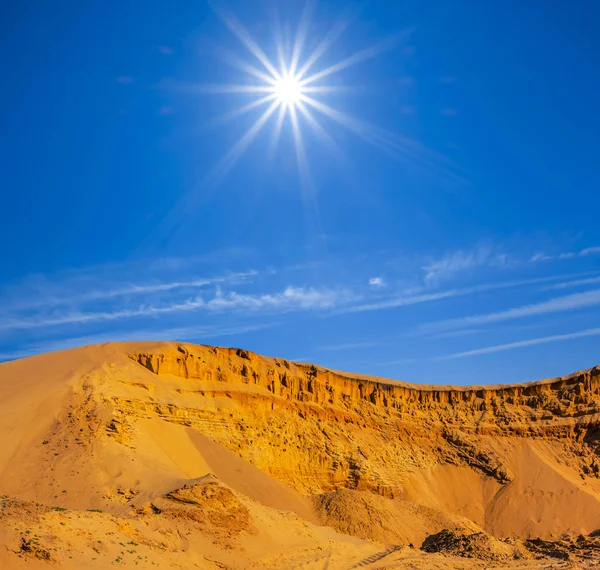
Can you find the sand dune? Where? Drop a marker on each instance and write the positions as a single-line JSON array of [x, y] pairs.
[[200, 457]]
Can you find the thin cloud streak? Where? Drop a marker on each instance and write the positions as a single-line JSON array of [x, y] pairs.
[[135, 289], [558, 304], [523, 344], [437, 296], [290, 299], [590, 251], [541, 256], [458, 333], [91, 317], [352, 346], [330, 300], [576, 283], [455, 263]]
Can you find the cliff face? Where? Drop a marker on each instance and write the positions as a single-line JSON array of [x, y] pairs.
[[317, 430], [213, 457], [574, 396]]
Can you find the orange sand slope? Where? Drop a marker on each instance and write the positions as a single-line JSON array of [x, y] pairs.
[[200, 457]]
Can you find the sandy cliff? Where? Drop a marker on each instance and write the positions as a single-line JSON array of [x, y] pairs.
[[138, 430]]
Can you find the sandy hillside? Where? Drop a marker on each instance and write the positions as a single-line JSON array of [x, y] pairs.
[[186, 456]]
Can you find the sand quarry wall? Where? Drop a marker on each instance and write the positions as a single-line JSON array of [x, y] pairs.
[[489, 453], [102, 424]]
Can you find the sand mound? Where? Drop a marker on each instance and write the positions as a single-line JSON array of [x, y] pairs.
[[250, 481], [461, 542], [391, 521], [211, 504], [361, 514]]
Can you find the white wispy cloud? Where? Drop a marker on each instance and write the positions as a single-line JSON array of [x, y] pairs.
[[376, 282], [574, 283], [290, 299], [155, 299], [524, 343], [460, 332], [541, 256], [353, 346], [219, 258], [171, 293], [558, 304], [403, 301], [81, 317], [590, 251], [407, 300], [157, 287], [73, 292], [456, 262], [461, 261]]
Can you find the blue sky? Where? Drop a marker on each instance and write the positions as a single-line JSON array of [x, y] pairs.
[[431, 218]]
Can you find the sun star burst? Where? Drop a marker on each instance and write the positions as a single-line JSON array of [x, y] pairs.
[[291, 88]]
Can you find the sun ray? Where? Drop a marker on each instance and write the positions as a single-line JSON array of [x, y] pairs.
[[172, 221], [309, 194], [229, 160], [301, 33], [300, 152], [301, 159], [244, 36], [359, 57], [299, 145], [278, 36], [346, 166], [277, 132], [339, 116], [219, 89], [321, 132], [246, 67], [238, 112], [375, 136], [322, 48], [330, 38], [330, 89], [398, 147]]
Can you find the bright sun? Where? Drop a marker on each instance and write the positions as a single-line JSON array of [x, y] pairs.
[[290, 84], [288, 90]]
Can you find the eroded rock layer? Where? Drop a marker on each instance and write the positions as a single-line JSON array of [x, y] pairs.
[[319, 430]]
